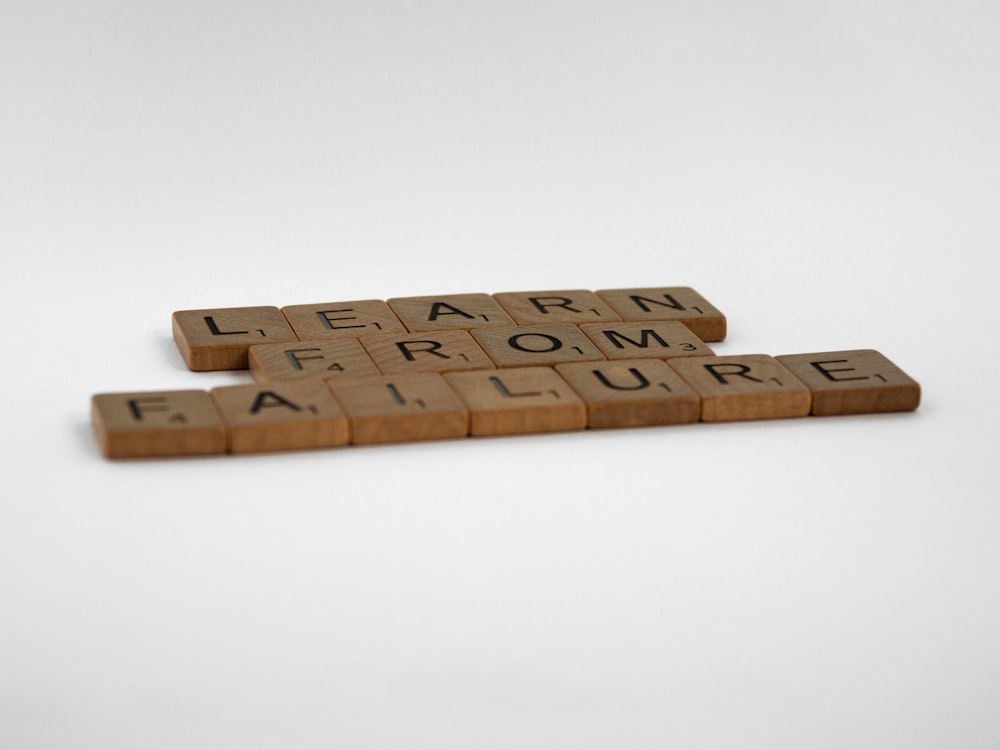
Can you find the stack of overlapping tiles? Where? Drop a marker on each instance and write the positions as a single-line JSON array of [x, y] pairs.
[[455, 365]]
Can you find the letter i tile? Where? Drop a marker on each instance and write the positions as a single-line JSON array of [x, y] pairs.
[[287, 415], [394, 408]]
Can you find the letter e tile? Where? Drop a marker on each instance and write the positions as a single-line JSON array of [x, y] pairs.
[[857, 381], [342, 320]]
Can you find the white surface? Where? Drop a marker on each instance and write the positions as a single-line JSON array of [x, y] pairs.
[[824, 173]]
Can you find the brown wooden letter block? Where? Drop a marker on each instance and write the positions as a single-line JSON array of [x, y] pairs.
[[679, 303], [530, 399], [219, 339], [750, 386], [859, 381], [393, 408], [522, 346], [659, 339], [342, 320], [157, 423], [573, 306], [310, 359], [431, 351], [629, 393], [289, 415], [449, 311]]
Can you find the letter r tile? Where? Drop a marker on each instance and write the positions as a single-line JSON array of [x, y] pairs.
[[219, 339], [157, 423], [429, 351], [287, 415], [749, 386], [560, 306], [857, 381], [518, 400]]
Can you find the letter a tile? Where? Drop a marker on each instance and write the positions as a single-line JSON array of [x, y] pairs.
[[157, 423], [858, 381], [632, 392], [518, 400], [750, 386], [288, 415], [219, 339], [449, 311]]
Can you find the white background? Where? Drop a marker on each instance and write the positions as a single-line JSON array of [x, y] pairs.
[[825, 173]]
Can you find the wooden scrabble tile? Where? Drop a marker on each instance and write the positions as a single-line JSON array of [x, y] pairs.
[[219, 339], [289, 415], [342, 320], [310, 359], [662, 339], [530, 399], [157, 423], [858, 381], [430, 351], [562, 306], [449, 311], [679, 303], [632, 392], [749, 386], [536, 345], [393, 408]]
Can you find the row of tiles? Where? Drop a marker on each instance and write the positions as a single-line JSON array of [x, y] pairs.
[[219, 338], [325, 412]]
